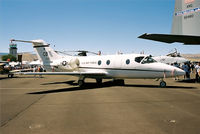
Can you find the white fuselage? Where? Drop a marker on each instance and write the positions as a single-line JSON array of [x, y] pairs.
[[116, 66], [101, 66]]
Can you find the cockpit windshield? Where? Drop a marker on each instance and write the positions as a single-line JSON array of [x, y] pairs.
[[148, 60], [139, 59]]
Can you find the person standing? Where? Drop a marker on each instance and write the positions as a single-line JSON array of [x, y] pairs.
[[40, 70], [189, 70], [35, 69], [185, 67], [197, 70]]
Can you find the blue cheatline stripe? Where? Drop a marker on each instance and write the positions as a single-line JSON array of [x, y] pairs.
[[125, 69], [197, 9]]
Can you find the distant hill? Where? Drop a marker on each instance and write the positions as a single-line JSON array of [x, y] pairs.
[[192, 57], [3, 53], [28, 57], [25, 56]]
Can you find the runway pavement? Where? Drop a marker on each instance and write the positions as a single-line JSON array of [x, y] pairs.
[[56, 105]]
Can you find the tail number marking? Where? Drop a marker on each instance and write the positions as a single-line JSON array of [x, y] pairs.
[[45, 54]]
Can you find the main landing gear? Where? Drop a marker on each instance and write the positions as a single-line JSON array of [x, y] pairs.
[[81, 83], [10, 75], [117, 82], [99, 82]]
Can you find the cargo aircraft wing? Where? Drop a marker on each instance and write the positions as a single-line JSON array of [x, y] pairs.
[[171, 38], [185, 25]]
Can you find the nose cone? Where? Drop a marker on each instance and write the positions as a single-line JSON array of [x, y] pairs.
[[179, 72], [173, 71]]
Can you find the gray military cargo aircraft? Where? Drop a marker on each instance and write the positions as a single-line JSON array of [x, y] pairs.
[[185, 27]]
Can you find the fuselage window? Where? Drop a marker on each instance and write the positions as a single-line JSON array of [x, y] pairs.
[[139, 59], [127, 61], [108, 62], [148, 59], [99, 62]]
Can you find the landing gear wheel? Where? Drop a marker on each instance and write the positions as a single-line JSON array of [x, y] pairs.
[[99, 81], [81, 83], [10, 75], [163, 84], [119, 82]]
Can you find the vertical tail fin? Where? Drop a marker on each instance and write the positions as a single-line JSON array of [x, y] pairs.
[[44, 52], [186, 18]]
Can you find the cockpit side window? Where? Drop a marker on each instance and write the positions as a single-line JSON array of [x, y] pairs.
[[139, 59], [148, 59]]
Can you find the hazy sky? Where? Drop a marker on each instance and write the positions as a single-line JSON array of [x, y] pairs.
[[106, 25]]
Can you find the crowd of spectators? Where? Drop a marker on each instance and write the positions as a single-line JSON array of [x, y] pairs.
[[191, 68]]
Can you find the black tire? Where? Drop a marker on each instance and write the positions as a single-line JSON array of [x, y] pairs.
[[10, 75], [163, 84]]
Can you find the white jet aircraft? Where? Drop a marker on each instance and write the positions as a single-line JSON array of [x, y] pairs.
[[171, 58], [117, 67]]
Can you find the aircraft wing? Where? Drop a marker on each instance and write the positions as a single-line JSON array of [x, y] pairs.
[[65, 73], [171, 38], [21, 70]]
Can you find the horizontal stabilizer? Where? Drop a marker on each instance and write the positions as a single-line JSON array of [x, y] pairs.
[[171, 38], [36, 43]]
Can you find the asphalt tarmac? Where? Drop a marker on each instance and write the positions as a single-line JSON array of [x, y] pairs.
[[56, 105]]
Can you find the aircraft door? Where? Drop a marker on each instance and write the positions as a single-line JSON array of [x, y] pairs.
[[118, 62]]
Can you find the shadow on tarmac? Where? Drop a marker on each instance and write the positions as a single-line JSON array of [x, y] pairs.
[[189, 81], [71, 82], [4, 78], [89, 86], [30, 77], [156, 86]]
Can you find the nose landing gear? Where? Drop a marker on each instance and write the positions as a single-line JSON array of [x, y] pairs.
[[162, 83]]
